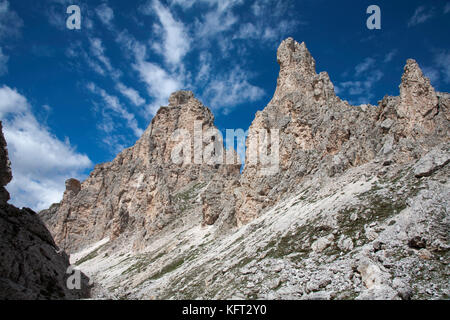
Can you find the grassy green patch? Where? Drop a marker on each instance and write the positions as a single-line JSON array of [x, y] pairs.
[[167, 269], [88, 257], [185, 198], [292, 242]]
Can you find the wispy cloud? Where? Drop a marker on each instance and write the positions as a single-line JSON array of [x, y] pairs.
[[219, 19], [230, 90], [10, 22], [175, 39], [447, 8], [113, 103], [421, 15], [364, 66], [160, 84], [439, 70], [105, 14], [390, 55], [442, 60], [272, 21], [131, 94], [361, 88], [431, 73], [98, 51], [40, 161], [3, 63]]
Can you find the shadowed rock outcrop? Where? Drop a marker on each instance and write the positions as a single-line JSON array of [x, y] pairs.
[[31, 265]]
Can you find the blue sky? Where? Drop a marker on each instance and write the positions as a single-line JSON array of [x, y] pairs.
[[70, 99]]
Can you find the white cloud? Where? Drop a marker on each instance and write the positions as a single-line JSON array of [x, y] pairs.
[[175, 39], [10, 22], [264, 32], [364, 66], [98, 51], [131, 45], [272, 22], [76, 50], [40, 161], [447, 8], [113, 103], [220, 92], [131, 94], [204, 70], [439, 71], [220, 19], [390, 55], [361, 88], [185, 4], [421, 15], [3, 63], [442, 60], [11, 102], [160, 84], [95, 57], [432, 74], [230, 90], [105, 14]]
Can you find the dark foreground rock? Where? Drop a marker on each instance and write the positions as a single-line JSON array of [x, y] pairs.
[[31, 265]]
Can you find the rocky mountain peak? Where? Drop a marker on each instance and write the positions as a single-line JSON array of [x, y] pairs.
[[180, 98], [319, 131], [413, 73], [298, 76], [148, 187], [418, 97], [294, 55], [418, 103]]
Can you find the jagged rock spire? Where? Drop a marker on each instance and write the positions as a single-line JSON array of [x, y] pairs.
[[417, 95], [294, 55], [181, 97], [298, 75]]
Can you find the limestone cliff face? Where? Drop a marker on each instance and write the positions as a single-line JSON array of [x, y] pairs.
[[31, 265], [137, 191], [318, 132]]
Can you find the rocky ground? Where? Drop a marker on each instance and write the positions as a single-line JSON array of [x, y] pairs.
[[375, 232]]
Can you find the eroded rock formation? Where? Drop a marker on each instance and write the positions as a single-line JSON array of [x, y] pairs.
[[320, 132]]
